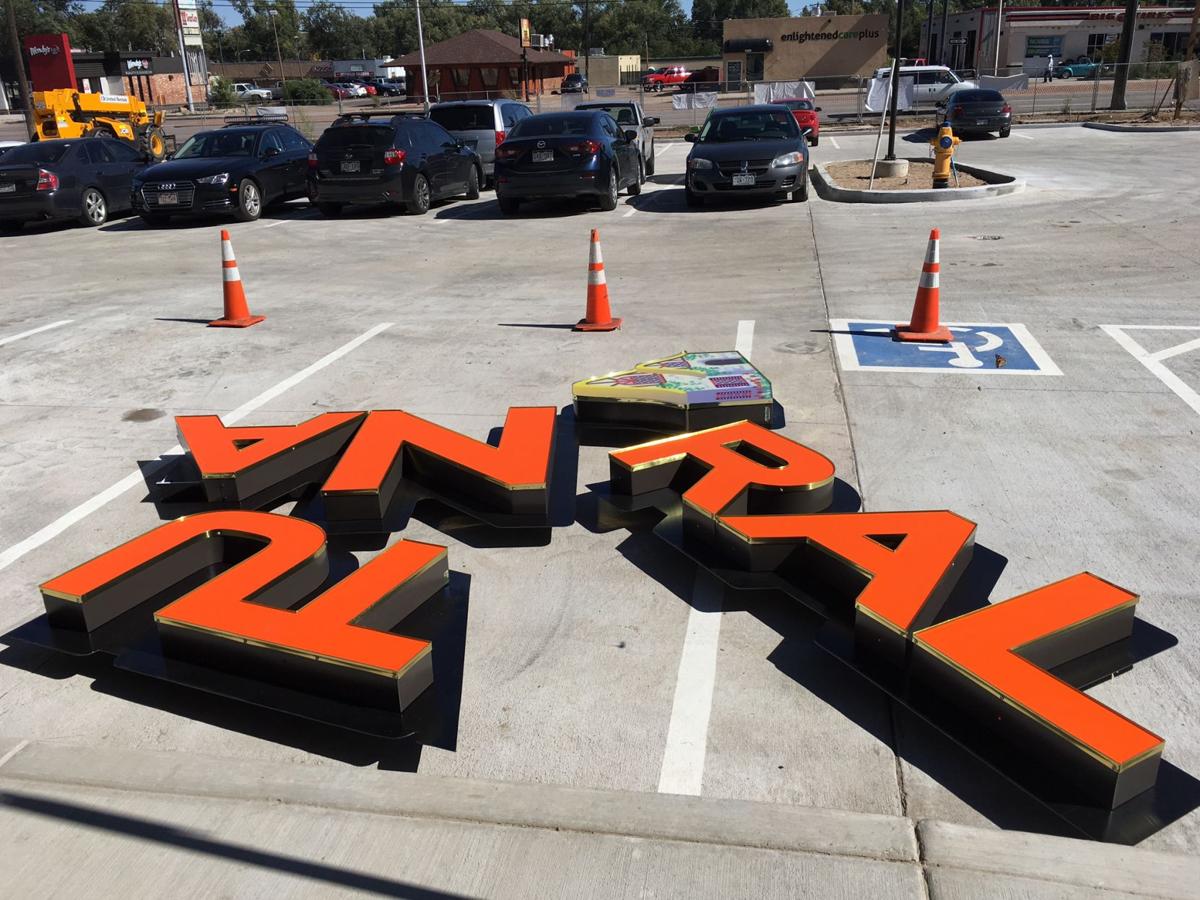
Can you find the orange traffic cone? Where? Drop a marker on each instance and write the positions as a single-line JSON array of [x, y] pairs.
[[237, 312], [598, 316], [924, 325]]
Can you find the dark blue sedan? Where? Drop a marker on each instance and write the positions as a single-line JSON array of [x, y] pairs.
[[564, 155]]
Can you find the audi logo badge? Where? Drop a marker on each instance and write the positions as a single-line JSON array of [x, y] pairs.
[[167, 186], [541, 144], [745, 166]]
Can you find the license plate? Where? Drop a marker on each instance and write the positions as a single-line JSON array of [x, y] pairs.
[[543, 156], [8, 188], [743, 181], [352, 166], [168, 199], [981, 121]]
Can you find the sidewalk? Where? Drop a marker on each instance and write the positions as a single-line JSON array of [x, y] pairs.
[[143, 823]]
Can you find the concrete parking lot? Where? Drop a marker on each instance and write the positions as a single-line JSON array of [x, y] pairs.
[[572, 652]]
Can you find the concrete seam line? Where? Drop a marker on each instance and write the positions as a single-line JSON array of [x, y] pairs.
[[48, 532], [21, 745]]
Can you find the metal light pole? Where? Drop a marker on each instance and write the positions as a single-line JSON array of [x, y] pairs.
[[942, 35], [187, 75], [897, 50], [19, 57], [929, 35], [999, 19], [421, 42], [271, 14]]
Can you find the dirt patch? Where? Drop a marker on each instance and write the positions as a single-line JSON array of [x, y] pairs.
[[857, 175]]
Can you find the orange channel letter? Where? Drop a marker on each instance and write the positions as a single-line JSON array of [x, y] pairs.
[[735, 460], [1053, 624], [392, 444]]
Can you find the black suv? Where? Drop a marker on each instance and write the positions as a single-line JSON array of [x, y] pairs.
[[385, 158], [238, 169]]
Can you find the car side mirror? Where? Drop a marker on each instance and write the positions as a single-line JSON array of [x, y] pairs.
[[650, 120], [690, 137], [817, 109], [631, 136], [271, 152], [805, 130]]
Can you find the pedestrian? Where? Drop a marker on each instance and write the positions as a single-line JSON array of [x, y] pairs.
[[1048, 75]]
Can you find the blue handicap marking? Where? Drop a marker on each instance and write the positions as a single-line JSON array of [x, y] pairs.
[[975, 348]]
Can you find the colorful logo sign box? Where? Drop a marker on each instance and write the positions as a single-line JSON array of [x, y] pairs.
[[240, 602], [685, 392]]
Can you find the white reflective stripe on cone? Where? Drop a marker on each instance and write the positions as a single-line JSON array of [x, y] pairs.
[[931, 255], [929, 279], [232, 274], [597, 256], [226, 251], [597, 277]]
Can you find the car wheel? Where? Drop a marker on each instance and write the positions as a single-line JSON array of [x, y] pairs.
[[693, 200], [250, 204], [636, 187], [650, 161], [510, 206], [93, 209], [608, 201], [473, 184], [419, 204], [801, 195], [816, 139], [330, 210]]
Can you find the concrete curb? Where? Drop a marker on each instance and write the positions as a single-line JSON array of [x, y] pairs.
[[728, 823], [1001, 184], [1135, 129]]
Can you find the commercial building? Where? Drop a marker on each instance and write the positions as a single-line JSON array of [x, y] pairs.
[[803, 48], [1029, 35], [484, 63], [609, 71]]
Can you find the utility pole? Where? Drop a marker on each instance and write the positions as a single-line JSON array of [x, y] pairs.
[[1123, 56], [187, 75], [271, 14], [929, 35], [1189, 57], [942, 34], [999, 19], [421, 41], [897, 50], [19, 58], [587, 41]]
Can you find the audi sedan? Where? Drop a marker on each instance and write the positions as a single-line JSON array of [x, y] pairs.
[[747, 151]]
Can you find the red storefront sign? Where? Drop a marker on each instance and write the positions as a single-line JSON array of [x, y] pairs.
[[50, 64]]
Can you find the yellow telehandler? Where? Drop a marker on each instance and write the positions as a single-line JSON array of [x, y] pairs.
[[71, 114]]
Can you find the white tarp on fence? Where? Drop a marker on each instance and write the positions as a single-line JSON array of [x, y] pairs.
[[1004, 83], [878, 92], [693, 101], [770, 91]]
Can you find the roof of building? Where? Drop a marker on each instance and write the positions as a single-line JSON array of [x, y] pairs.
[[259, 69], [478, 47]]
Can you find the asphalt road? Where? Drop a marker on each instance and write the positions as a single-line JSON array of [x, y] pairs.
[[571, 651]]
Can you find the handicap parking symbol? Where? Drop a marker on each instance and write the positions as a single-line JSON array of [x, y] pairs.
[[977, 348]]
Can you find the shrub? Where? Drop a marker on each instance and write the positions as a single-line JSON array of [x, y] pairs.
[[221, 94], [306, 90]]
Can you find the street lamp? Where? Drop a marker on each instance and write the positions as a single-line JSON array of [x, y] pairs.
[[271, 14]]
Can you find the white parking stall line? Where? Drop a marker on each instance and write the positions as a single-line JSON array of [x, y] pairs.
[[440, 221], [682, 769], [836, 145], [13, 338], [1153, 361], [629, 212], [298, 218], [1028, 137], [133, 479]]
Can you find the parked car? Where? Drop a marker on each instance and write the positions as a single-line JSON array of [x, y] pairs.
[[239, 169], [1080, 68], [391, 88], [705, 80], [5, 146], [482, 125], [567, 154], [747, 151], [575, 83], [247, 91], [384, 158], [930, 83], [86, 179], [629, 114], [355, 90], [977, 112], [369, 90], [805, 112], [671, 76], [339, 92]]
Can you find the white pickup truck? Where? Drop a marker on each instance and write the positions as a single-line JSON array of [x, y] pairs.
[[631, 117], [247, 91]]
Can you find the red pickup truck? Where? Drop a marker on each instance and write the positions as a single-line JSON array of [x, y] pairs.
[[663, 78]]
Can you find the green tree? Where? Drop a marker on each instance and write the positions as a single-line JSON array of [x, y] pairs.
[[129, 25], [37, 17], [708, 16], [260, 33], [332, 32], [221, 94]]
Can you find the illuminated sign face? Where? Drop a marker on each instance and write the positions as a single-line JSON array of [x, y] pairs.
[[685, 392], [241, 602]]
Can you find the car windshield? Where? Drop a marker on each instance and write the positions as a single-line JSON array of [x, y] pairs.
[[624, 115], [978, 97], [343, 136], [214, 144], [464, 118], [553, 126], [759, 125], [35, 154], [796, 104]]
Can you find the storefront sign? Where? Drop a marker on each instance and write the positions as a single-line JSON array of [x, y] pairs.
[[240, 602], [50, 64], [140, 66], [802, 37]]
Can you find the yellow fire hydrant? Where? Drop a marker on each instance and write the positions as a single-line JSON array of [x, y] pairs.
[[943, 155]]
